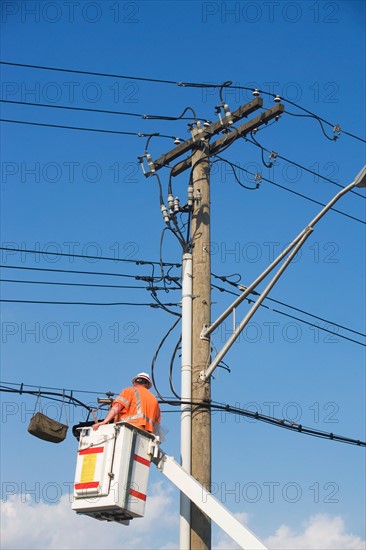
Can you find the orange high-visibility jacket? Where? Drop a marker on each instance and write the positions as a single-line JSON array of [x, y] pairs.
[[139, 407]]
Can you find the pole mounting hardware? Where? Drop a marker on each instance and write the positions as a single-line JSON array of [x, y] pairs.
[[204, 331]]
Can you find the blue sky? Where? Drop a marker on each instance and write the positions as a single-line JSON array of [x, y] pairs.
[[68, 191]]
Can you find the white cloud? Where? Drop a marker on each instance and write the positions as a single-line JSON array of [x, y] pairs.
[[26, 525], [320, 532]]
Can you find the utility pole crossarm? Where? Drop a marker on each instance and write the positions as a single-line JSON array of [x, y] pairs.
[[244, 129], [236, 133], [206, 134]]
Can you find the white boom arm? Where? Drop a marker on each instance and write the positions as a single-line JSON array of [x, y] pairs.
[[207, 503]]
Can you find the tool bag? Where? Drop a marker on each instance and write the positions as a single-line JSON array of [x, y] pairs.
[[46, 428]]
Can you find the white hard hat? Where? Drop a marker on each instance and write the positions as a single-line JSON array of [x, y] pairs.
[[144, 376]]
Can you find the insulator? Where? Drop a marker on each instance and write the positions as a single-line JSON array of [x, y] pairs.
[[170, 201], [176, 141], [141, 162], [228, 114], [256, 93], [190, 195], [207, 123], [150, 162], [164, 211], [277, 99], [176, 204]]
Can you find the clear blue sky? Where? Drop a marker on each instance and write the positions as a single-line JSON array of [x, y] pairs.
[[70, 191]]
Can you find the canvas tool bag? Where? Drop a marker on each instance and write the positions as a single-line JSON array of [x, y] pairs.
[[46, 428]]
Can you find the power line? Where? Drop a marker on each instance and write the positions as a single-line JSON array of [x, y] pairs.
[[104, 111], [279, 422], [240, 287], [21, 386], [174, 279], [155, 306], [254, 142], [87, 257], [87, 285], [92, 73], [64, 127], [232, 164], [51, 270], [180, 84], [324, 329]]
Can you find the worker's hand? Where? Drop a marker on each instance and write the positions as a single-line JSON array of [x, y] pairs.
[[96, 425]]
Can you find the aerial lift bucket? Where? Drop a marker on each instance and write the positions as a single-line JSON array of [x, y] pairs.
[[112, 472]]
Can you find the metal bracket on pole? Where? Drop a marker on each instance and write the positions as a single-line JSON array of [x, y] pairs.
[[204, 332], [202, 376]]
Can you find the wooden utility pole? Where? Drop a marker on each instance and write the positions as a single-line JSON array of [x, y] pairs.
[[201, 150], [201, 315]]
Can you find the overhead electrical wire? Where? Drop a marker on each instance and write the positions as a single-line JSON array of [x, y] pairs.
[[240, 287], [104, 111], [72, 391], [64, 127], [233, 165], [279, 422], [318, 327], [257, 144], [104, 273], [153, 288], [180, 84], [47, 302], [87, 285], [153, 363], [85, 256]]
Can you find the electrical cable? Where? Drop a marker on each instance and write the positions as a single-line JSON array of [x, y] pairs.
[[53, 388], [157, 305], [64, 127], [237, 178], [104, 273], [279, 422], [292, 191], [104, 111], [175, 83], [317, 326], [174, 279], [171, 368], [156, 356], [255, 142], [108, 258], [84, 284]]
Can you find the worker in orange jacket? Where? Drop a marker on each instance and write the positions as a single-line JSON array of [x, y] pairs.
[[136, 405]]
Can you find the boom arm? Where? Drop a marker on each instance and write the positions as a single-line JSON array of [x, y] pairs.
[[207, 502]]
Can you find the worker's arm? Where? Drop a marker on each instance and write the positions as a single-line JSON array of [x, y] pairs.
[[113, 411]]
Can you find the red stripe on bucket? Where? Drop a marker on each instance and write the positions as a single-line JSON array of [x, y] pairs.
[[136, 494], [142, 460], [88, 485], [91, 451]]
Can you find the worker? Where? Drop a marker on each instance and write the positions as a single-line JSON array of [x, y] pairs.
[[136, 405]]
